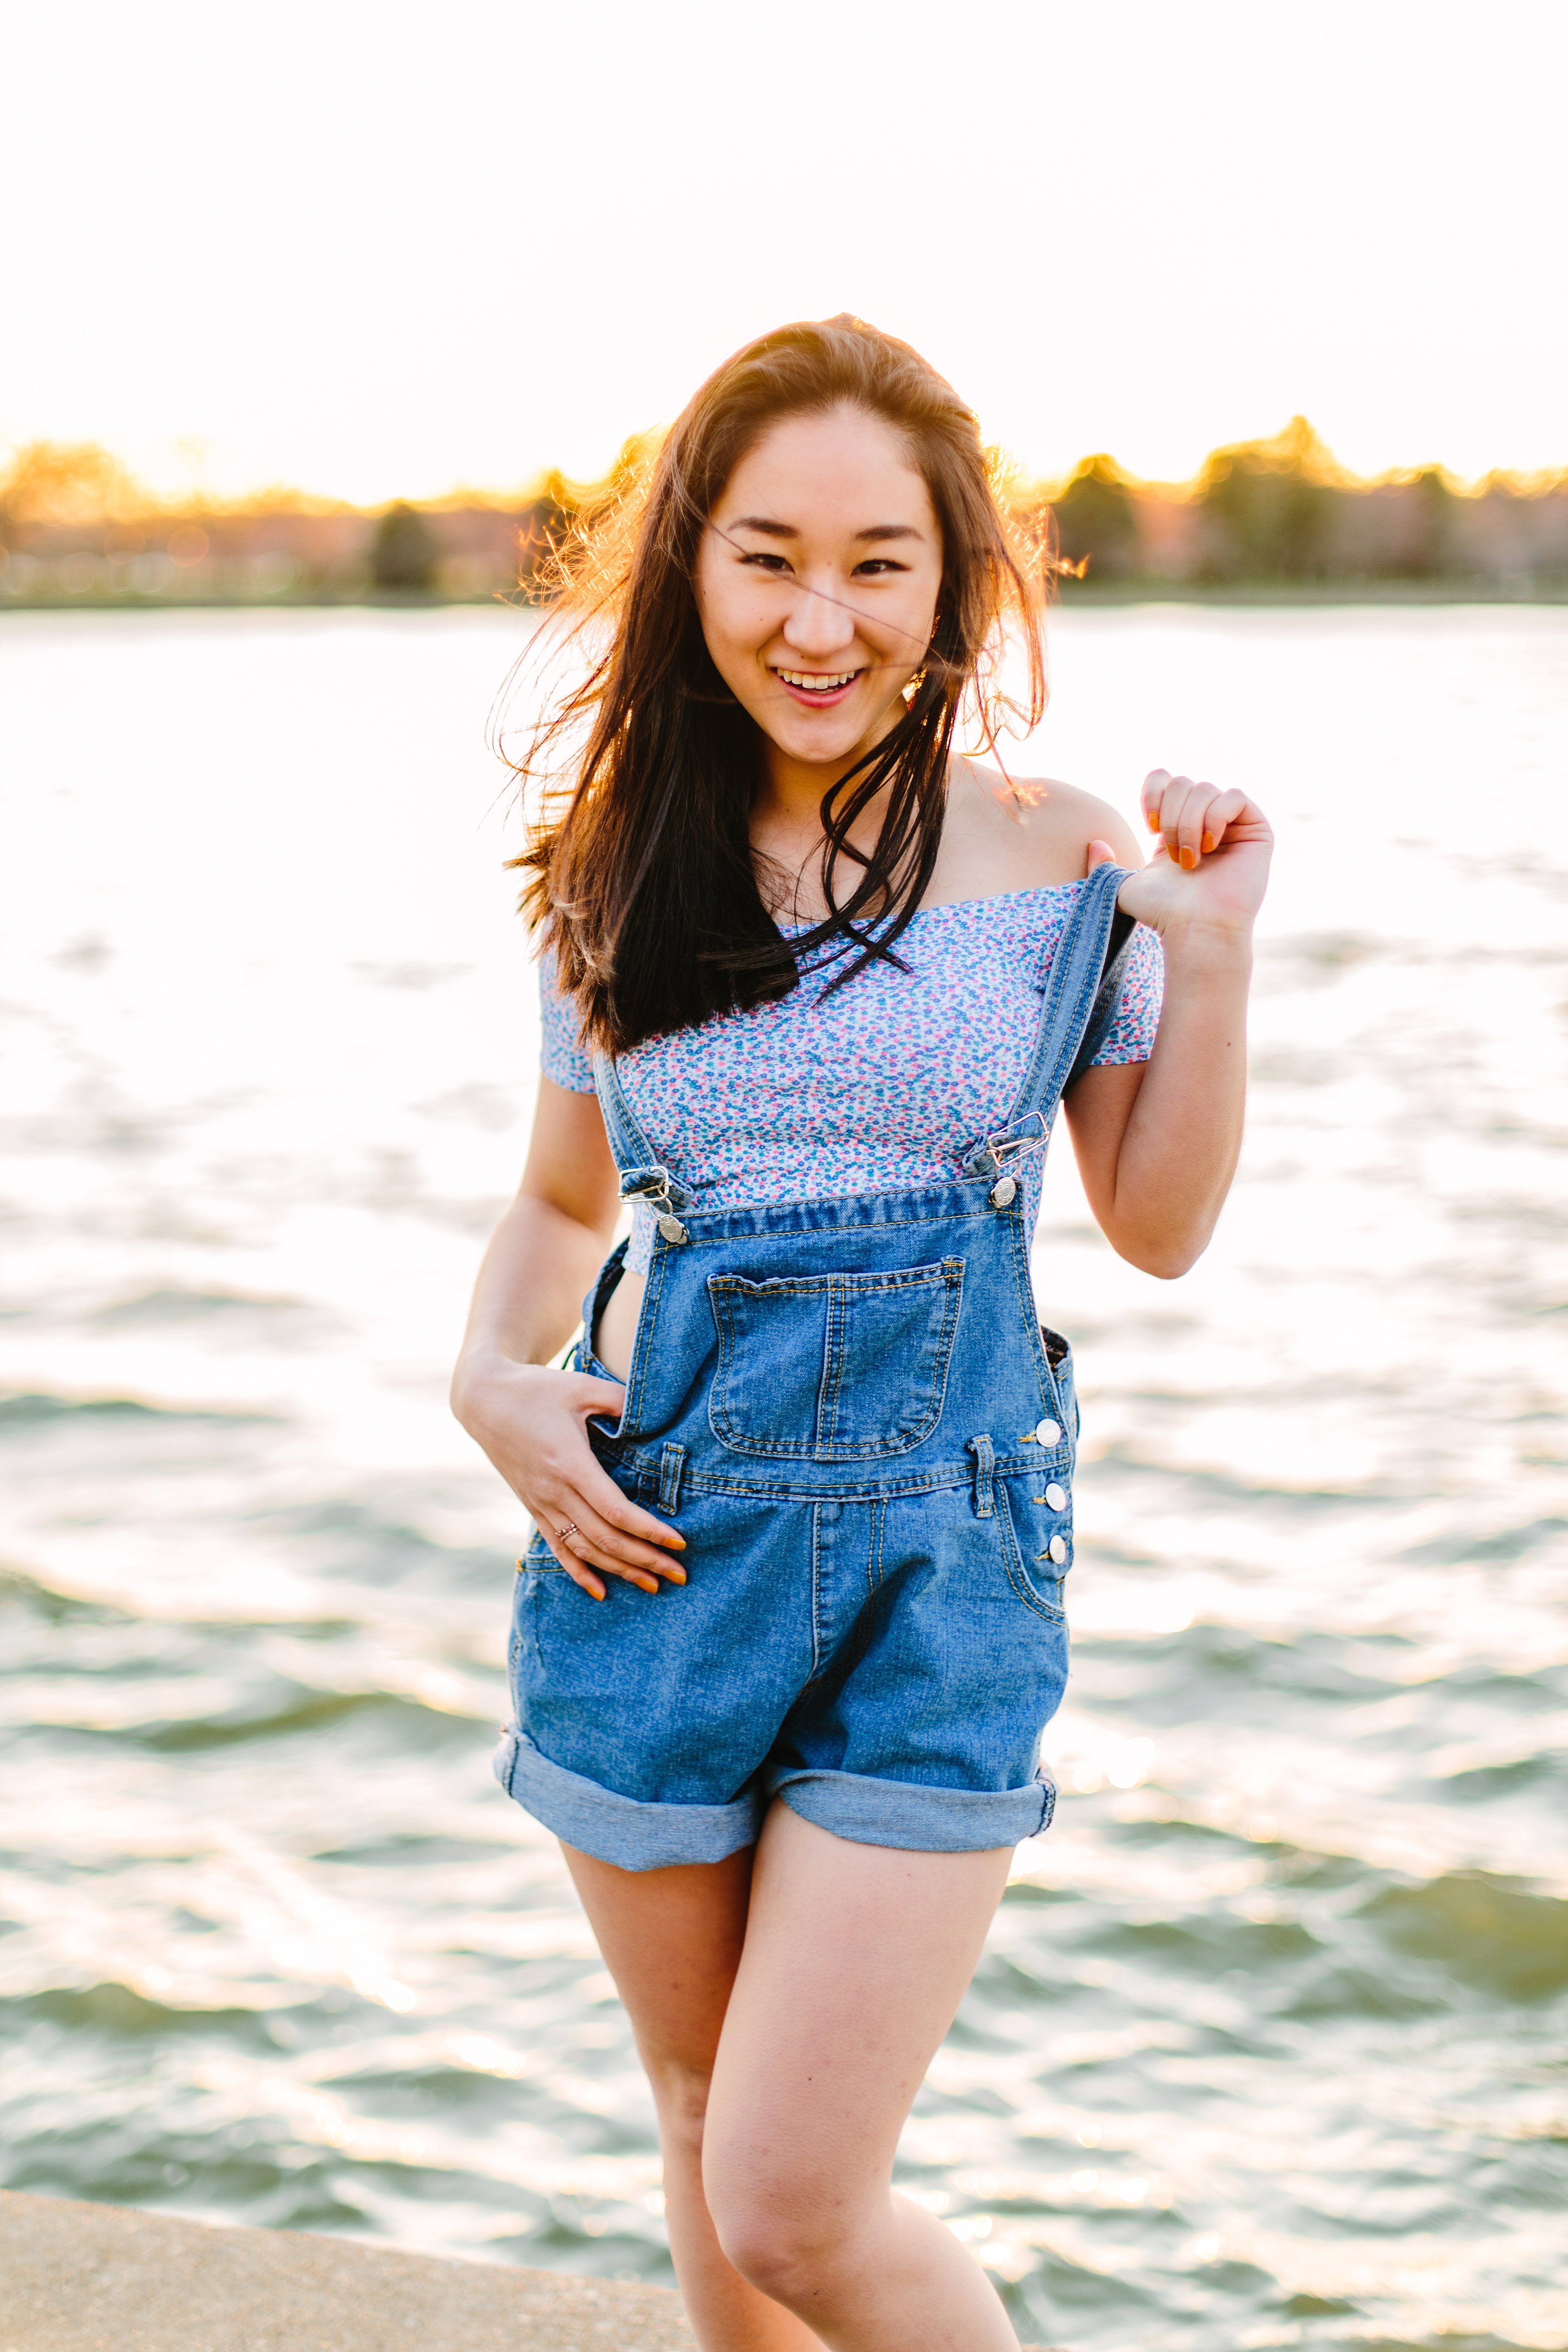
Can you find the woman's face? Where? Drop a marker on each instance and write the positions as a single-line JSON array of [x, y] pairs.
[[817, 582]]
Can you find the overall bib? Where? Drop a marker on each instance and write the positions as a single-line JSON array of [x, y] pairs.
[[870, 1439]]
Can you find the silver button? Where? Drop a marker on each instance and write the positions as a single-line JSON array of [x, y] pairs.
[[1003, 1193], [1048, 1433], [672, 1229], [1057, 1497], [1059, 1549]]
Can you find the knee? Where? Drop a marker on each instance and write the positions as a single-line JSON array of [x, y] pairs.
[[784, 2236]]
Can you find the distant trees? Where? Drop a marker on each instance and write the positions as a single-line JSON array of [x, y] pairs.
[[1267, 508], [65, 482], [1282, 513], [1276, 514], [403, 550], [1097, 525], [1431, 547]]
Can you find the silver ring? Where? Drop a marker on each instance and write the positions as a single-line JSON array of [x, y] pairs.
[[570, 1528]]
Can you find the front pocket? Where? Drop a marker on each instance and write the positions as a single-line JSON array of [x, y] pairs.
[[833, 1367]]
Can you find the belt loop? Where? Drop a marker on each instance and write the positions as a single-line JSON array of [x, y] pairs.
[[985, 1454], [671, 1461]]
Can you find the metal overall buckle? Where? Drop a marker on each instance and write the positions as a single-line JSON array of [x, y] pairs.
[[656, 1187], [989, 1158]]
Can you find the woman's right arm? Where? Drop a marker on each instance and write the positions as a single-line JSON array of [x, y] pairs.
[[531, 1419]]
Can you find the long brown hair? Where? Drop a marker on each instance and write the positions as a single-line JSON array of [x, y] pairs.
[[644, 883]]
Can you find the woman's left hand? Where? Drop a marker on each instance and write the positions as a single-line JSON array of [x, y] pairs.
[[1211, 864]]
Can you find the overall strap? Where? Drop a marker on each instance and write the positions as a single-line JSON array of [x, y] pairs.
[[643, 1177], [1083, 989]]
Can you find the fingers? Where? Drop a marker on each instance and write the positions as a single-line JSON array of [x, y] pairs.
[[590, 1526], [558, 1542], [597, 1400], [584, 1541], [583, 1545], [1190, 818], [1152, 798], [605, 1401], [1099, 853], [633, 1537], [1220, 816], [598, 1528]]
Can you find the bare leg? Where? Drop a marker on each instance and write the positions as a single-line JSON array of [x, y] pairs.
[[672, 1940], [811, 1999], [855, 1960]]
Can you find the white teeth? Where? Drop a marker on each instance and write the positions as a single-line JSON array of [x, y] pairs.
[[814, 682]]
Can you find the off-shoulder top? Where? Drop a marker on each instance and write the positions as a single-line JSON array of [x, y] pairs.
[[872, 1089]]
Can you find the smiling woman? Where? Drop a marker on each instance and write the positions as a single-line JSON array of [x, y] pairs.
[[818, 624], [817, 549], [840, 456], [790, 1748]]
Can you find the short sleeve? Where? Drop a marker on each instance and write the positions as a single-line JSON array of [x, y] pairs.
[[560, 1054], [1131, 1036]]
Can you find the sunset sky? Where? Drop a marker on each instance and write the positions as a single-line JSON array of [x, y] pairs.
[[382, 250]]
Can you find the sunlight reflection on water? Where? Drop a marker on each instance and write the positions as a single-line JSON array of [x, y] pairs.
[[1267, 2045]]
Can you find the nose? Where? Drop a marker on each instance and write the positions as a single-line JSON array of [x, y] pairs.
[[818, 622]]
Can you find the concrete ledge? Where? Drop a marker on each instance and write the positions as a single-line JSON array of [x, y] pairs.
[[106, 2278]]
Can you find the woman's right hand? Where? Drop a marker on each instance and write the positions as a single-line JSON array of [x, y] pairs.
[[533, 1421]]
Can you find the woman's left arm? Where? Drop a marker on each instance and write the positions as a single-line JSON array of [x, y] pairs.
[[1157, 1141]]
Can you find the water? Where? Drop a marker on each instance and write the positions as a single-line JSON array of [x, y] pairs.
[[1266, 2047]]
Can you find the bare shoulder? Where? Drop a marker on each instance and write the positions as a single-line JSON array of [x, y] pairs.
[[1043, 827]]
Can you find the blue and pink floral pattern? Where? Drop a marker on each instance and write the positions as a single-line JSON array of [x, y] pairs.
[[873, 1088]]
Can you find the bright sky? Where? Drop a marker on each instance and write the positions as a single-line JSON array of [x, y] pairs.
[[378, 248]]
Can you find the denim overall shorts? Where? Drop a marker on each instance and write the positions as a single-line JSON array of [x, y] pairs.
[[869, 1441]]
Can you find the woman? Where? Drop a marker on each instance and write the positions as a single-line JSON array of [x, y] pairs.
[[791, 1623]]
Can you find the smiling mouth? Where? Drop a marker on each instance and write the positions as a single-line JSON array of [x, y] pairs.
[[819, 684]]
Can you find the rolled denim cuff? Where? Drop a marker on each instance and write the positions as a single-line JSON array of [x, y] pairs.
[[613, 1828], [908, 1813]]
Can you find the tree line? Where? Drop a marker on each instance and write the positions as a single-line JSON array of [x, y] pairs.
[[1276, 514]]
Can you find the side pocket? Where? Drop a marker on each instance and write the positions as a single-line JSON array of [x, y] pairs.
[[1031, 1528], [1059, 1357], [538, 1560], [523, 1655], [537, 1589], [517, 1639]]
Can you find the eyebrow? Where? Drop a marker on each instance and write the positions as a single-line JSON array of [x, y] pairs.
[[877, 533]]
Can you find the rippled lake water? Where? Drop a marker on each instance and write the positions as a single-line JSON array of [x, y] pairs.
[[1268, 2044]]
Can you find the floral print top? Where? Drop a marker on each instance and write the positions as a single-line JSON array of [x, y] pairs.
[[875, 1088]]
